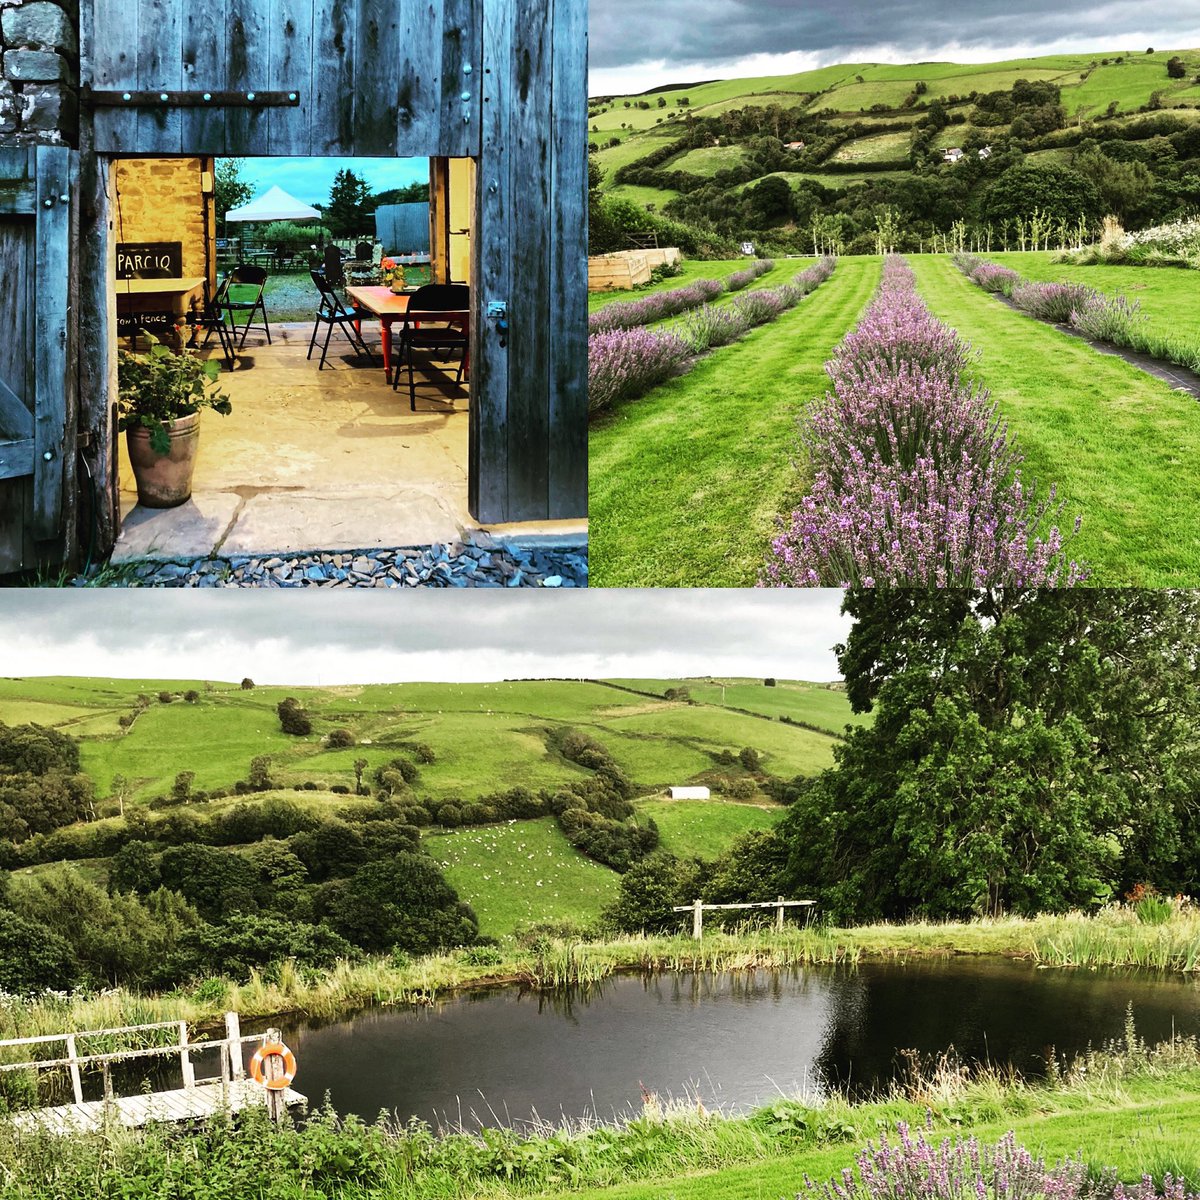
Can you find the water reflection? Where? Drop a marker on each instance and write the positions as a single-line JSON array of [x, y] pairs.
[[508, 1055]]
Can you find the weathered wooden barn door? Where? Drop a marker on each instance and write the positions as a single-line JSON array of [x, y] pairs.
[[500, 81], [36, 378]]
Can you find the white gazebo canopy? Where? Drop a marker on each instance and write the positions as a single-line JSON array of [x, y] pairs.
[[275, 205]]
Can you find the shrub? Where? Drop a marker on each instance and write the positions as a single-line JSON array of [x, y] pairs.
[[915, 481], [629, 314], [292, 718], [340, 739], [715, 325], [1109, 319], [1052, 301], [626, 363], [958, 1170], [743, 278]]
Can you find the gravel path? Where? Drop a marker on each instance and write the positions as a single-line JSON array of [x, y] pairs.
[[483, 563]]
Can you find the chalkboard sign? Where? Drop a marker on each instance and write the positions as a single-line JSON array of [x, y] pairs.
[[149, 260], [151, 322]]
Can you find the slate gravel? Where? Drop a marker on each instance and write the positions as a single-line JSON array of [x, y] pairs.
[[483, 563]]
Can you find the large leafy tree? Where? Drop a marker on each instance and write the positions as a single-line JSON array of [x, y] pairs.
[[349, 210], [230, 190], [1030, 751]]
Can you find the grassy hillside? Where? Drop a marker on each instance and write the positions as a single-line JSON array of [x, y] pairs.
[[856, 87], [486, 738], [698, 154], [521, 872]]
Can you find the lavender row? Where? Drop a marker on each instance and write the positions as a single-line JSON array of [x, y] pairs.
[[916, 481], [628, 314], [1113, 319], [743, 278], [626, 363]]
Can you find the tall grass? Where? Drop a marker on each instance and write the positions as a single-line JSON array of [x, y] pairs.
[[1113, 937], [662, 1139]]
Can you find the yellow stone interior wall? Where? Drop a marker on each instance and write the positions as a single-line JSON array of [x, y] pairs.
[[462, 205], [165, 200]]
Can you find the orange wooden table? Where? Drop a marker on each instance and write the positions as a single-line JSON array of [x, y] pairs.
[[388, 307]]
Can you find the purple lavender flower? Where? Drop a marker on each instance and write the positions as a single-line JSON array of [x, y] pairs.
[[916, 481], [625, 363]]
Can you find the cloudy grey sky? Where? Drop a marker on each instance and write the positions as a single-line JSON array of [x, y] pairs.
[[344, 637], [635, 45]]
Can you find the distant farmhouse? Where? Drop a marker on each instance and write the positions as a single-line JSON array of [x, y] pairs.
[[690, 793], [952, 155]]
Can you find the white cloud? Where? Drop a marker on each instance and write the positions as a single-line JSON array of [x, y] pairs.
[[341, 637]]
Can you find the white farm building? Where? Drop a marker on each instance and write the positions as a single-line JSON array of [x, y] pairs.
[[690, 793]]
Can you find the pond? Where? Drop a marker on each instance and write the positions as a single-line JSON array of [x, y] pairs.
[[507, 1056]]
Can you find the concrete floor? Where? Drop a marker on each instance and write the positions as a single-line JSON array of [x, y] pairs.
[[317, 460]]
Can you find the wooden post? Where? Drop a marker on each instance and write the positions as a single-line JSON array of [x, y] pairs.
[[233, 1047], [779, 914], [273, 1069], [76, 1081], [108, 1091], [697, 920], [185, 1059]]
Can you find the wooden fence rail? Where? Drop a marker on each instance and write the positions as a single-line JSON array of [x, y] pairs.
[[697, 907]]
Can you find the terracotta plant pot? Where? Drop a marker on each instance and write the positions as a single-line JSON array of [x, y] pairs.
[[165, 480]]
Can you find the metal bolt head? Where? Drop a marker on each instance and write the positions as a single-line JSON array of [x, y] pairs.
[[249, 95], [48, 202], [64, 197], [207, 96], [467, 68], [291, 95], [47, 456], [127, 96], [163, 97], [466, 95]]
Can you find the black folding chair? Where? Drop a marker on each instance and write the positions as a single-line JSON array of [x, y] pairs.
[[244, 275], [332, 311], [211, 319], [335, 269], [435, 323]]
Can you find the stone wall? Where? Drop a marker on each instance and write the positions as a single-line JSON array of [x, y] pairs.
[[165, 200], [39, 71]]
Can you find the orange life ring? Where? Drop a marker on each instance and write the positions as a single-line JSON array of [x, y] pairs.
[[264, 1052]]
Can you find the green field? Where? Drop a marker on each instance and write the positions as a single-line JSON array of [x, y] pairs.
[[644, 197], [685, 484], [883, 147], [486, 737], [853, 89], [707, 160], [706, 828], [522, 872], [812, 702], [1115, 440]]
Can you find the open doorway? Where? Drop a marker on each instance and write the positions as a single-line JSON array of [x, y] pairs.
[[341, 436]]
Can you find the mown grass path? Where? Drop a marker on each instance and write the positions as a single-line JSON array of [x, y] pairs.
[[686, 482], [1121, 445], [1146, 1134]]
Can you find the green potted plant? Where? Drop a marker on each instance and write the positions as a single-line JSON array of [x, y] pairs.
[[160, 395]]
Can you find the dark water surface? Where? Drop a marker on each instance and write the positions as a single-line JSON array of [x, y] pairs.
[[733, 1040]]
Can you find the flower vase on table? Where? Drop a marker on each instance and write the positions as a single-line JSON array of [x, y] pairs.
[[393, 275]]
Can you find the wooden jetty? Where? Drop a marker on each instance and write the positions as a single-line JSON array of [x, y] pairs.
[[697, 907], [229, 1091]]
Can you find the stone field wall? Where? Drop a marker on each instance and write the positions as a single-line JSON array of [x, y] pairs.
[[39, 71]]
